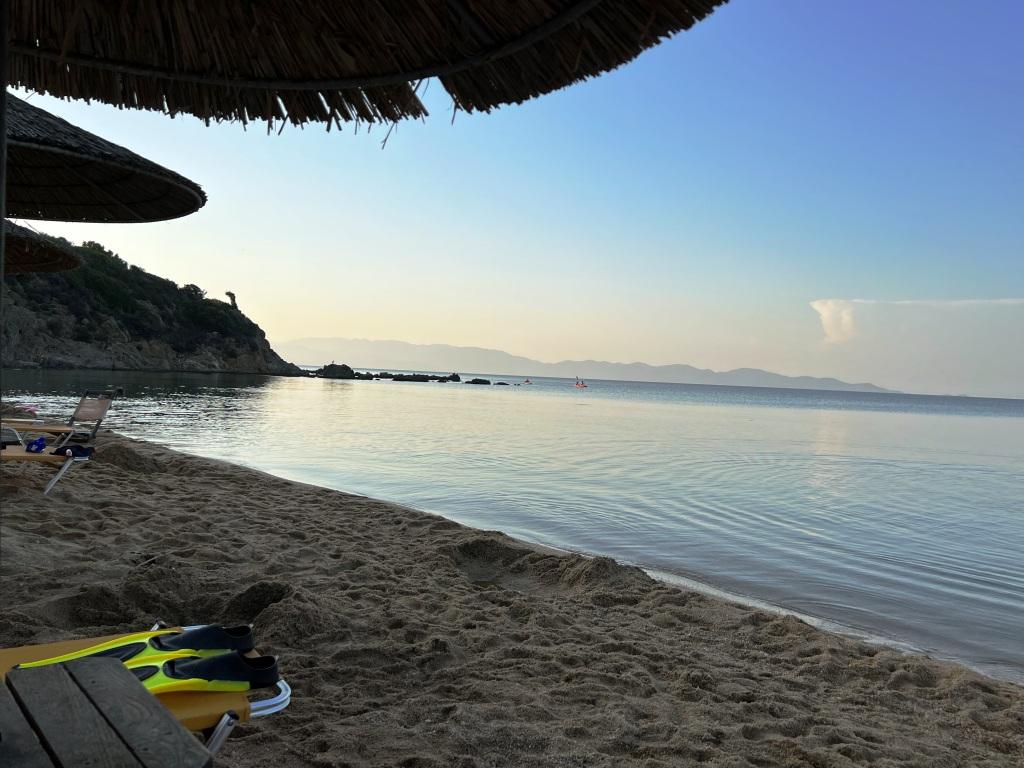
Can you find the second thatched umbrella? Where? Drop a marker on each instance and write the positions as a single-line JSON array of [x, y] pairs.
[[29, 251], [59, 172]]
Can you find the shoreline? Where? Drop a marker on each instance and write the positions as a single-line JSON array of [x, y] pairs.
[[694, 584], [411, 638], [683, 581], [39, 368]]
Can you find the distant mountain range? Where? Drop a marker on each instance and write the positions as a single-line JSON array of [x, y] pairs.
[[365, 354]]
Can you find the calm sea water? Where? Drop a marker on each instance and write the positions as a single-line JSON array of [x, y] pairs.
[[897, 517]]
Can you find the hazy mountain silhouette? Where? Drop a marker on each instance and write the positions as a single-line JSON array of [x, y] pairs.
[[365, 354]]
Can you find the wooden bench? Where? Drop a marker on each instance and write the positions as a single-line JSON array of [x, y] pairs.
[[89, 712]]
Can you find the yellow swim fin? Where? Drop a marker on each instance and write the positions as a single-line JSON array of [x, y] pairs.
[[226, 672], [208, 640]]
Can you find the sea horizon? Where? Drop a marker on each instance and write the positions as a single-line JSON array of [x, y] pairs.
[[495, 377]]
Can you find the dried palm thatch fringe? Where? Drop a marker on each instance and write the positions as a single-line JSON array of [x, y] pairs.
[[327, 61], [58, 172], [29, 251]]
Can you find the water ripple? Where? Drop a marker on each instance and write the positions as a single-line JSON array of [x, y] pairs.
[[897, 516]]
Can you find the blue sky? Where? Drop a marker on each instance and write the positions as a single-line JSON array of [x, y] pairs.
[[687, 207]]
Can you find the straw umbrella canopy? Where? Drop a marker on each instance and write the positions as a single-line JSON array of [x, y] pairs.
[[29, 251], [327, 61], [59, 172]]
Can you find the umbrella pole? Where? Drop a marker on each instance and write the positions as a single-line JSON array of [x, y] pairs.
[[5, 13]]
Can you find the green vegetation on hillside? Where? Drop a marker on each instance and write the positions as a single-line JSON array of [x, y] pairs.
[[146, 306], [108, 313]]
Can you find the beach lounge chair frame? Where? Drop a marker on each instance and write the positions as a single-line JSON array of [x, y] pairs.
[[20, 453], [92, 408], [10, 435], [261, 708]]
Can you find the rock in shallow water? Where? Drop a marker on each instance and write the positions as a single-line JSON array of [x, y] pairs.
[[334, 371]]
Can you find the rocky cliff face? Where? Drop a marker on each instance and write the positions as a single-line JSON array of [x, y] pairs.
[[107, 314]]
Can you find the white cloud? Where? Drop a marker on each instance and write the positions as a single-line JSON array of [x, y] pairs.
[[956, 346], [837, 319], [839, 316]]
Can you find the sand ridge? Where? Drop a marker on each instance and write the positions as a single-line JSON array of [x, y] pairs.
[[413, 641]]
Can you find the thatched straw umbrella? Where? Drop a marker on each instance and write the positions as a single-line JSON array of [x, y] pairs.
[[323, 61], [29, 251], [58, 172], [327, 61]]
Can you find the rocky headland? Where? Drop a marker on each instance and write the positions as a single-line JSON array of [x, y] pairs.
[[108, 314]]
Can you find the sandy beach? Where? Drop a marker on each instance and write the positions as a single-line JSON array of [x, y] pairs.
[[411, 640]]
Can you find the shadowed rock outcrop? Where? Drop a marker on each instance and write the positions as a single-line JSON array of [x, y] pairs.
[[108, 314]]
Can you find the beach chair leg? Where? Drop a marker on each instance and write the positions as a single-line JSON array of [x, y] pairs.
[[60, 473], [221, 732]]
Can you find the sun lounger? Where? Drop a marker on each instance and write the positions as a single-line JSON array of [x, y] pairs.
[[39, 426], [212, 714], [82, 426], [14, 450]]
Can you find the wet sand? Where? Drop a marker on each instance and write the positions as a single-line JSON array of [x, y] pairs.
[[413, 641]]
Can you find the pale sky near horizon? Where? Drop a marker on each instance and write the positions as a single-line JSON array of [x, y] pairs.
[[830, 189]]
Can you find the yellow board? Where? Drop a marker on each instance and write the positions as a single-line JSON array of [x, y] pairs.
[[195, 711]]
